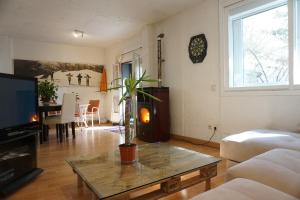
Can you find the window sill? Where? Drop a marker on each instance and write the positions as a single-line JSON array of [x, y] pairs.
[[262, 91], [258, 88]]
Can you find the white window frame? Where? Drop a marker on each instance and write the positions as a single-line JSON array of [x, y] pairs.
[[224, 8], [296, 31]]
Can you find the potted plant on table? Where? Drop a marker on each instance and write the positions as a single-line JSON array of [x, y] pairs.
[[47, 91], [132, 86]]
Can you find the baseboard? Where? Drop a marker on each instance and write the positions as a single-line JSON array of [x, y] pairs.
[[196, 141]]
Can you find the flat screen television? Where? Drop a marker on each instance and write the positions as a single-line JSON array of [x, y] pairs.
[[18, 102]]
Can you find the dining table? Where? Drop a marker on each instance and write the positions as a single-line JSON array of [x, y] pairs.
[[43, 110]]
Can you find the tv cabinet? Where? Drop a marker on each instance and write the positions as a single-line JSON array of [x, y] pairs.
[[18, 160]]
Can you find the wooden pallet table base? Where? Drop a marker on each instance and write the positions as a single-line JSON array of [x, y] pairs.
[[160, 170], [167, 187]]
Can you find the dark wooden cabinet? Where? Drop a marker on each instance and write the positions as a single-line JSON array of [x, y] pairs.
[[153, 116]]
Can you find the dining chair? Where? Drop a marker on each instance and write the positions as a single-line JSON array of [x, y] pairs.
[[81, 114], [67, 116], [93, 109]]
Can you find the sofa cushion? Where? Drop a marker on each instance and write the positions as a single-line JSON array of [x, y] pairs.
[[278, 168], [243, 189], [245, 145]]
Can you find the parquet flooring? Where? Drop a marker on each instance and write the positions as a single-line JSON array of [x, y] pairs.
[[58, 182]]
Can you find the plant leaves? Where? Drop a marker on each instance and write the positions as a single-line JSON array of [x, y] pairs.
[[149, 95], [131, 84], [115, 88]]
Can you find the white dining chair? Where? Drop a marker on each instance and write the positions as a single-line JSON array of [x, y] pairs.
[[67, 116], [81, 116]]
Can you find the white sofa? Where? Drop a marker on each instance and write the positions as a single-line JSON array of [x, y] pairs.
[[243, 189], [267, 166], [278, 168], [243, 146]]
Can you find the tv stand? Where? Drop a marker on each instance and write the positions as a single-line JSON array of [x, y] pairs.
[[18, 160], [26, 178]]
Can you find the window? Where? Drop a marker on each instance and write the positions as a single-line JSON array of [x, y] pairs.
[[257, 44], [260, 47], [297, 46]]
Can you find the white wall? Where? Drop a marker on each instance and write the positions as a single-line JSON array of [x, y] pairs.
[[243, 112], [195, 89], [25, 49], [194, 96], [33, 50]]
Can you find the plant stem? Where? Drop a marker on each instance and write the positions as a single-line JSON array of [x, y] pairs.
[[127, 120]]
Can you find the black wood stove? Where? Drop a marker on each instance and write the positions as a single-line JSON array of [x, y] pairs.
[[153, 116]]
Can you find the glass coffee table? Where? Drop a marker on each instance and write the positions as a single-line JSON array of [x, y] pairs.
[[157, 164]]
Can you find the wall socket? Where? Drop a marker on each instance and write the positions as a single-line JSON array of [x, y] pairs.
[[212, 127]]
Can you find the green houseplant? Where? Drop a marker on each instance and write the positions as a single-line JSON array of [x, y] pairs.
[[47, 91], [131, 87]]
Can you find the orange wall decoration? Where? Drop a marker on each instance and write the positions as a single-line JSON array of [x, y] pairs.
[[103, 81]]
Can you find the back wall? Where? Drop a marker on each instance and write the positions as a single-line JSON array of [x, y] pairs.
[[13, 48]]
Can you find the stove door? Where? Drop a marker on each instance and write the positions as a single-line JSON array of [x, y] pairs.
[[145, 122]]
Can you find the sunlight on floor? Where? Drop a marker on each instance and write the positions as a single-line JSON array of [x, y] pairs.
[[107, 129]]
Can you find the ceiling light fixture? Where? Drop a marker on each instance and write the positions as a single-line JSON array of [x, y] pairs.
[[78, 33]]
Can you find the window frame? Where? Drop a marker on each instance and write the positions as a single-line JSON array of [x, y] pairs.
[[296, 32], [225, 6]]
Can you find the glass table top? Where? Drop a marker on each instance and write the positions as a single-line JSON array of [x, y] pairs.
[[105, 175]]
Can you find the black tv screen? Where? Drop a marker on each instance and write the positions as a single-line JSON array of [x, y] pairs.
[[18, 101]]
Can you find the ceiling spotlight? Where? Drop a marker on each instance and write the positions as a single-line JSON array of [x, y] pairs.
[[78, 33]]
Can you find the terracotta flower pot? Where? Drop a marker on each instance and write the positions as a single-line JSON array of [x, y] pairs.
[[127, 153]]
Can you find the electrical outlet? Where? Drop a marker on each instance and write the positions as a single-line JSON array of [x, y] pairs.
[[215, 128], [212, 127]]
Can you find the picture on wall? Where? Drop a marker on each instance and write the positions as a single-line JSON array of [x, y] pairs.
[[62, 74]]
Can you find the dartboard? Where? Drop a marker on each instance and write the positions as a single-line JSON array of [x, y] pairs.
[[198, 48]]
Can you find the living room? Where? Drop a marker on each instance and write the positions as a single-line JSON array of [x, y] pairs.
[[232, 72]]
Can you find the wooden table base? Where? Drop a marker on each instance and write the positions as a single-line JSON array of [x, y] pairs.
[[167, 186]]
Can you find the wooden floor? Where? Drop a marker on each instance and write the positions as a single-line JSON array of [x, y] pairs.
[[58, 182]]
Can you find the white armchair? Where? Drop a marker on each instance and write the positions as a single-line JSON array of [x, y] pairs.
[[81, 116]]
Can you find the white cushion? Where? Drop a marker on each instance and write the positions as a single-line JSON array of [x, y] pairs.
[[278, 168], [243, 189], [245, 145]]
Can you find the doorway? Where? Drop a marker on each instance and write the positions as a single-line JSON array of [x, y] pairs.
[[126, 70]]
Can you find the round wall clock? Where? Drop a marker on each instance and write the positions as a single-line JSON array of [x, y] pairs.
[[198, 48]]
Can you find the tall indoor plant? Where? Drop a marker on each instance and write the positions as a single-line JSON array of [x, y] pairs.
[[132, 86], [47, 91]]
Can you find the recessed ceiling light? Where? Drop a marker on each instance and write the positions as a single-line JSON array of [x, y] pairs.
[[78, 33]]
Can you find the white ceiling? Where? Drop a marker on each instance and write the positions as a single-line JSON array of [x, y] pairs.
[[104, 21]]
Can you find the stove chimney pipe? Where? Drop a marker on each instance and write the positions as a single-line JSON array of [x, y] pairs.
[[159, 58]]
